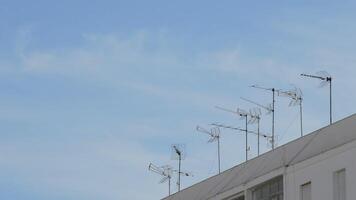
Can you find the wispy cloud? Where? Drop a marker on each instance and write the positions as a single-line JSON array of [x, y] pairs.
[[152, 65]]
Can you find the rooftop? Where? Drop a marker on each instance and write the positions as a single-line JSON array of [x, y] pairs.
[[308, 146]]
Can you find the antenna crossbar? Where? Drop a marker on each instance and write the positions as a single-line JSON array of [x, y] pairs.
[[240, 129], [313, 76], [257, 104], [262, 88], [238, 111]]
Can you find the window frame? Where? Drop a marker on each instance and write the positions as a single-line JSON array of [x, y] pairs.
[[264, 190], [336, 184], [236, 196], [301, 190]]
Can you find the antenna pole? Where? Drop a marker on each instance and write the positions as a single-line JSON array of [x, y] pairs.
[[258, 136], [273, 101], [179, 153], [219, 152], [169, 186], [301, 117], [246, 131], [179, 164], [331, 120]]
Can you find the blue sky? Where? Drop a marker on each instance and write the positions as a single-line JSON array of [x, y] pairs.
[[91, 93]]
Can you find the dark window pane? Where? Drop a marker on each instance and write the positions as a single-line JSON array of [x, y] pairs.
[[270, 190]]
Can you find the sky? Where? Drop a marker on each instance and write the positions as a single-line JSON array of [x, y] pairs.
[[94, 91]]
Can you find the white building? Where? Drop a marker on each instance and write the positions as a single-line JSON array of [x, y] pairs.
[[318, 166]]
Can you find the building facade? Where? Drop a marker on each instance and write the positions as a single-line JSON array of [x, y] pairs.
[[318, 166]]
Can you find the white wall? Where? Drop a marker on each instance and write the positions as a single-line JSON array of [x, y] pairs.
[[319, 171]]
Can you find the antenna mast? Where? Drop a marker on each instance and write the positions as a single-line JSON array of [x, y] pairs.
[[273, 90], [165, 171], [296, 96], [179, 153], [255, 117], [242, 114], [269, 109], [326, 79], [214, 134]]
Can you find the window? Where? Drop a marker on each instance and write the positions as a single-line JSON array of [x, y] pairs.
[[339, 185], [305, 191], [270, 190], [237, 197]]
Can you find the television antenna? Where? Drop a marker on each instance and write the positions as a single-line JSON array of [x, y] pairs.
[[273, 90], [177, 149], [243, 115], [326, 79], [165, 171], [214, 134], [296, 97], [269, 109], [255, 117], [258, 134]]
